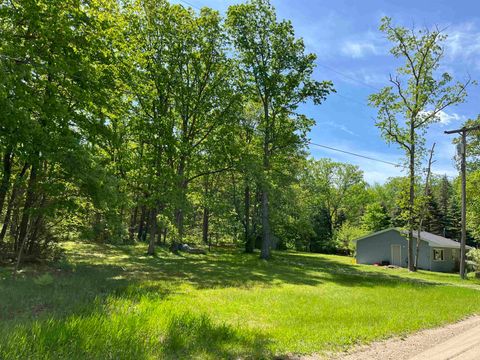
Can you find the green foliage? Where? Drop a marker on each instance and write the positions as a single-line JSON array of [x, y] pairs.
[[57, 84], [473, 203], [337, 194], [473, 145], [375, 218], [145, 121], [416, 95], [473, 259], [346, 235], [278, 74], [414, 100]]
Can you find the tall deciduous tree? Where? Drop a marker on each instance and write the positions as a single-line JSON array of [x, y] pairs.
[[56, 79], [375, 217], [279, 74], [185, 100], [415, 99]]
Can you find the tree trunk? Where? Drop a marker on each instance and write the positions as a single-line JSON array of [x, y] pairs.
[[153, 232], [179, 218], [424, 206], [7, 172], [266, 242], [133, 223], [256, 216], [249, 241], [147, 225], [14, 221], [206, 210], [206, 218], [141, 223], [411, 204], [35, 226], [29, 200], [11, 202], [179, 211]]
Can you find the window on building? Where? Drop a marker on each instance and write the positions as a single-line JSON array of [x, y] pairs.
[[438, 255]]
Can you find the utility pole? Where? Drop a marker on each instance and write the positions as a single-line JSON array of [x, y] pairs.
[[463, 169]]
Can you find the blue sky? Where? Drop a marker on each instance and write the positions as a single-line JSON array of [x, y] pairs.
[[355, 56]]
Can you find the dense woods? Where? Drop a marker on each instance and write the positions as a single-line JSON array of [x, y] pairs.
[[145, 121]]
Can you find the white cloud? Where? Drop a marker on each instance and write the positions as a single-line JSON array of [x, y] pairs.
[[374, 78], [358, 49], [364, 44], [463, 43], [445, 118]]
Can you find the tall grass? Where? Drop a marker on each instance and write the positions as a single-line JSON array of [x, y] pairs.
[[123, 330], [115, 303]]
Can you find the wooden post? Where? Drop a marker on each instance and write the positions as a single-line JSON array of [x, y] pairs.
[[463, 151], [463, 170]]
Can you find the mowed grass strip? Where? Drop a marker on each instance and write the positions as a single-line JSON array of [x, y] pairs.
[[107, 302]]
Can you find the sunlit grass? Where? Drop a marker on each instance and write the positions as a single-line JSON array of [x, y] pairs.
[[107, 302]]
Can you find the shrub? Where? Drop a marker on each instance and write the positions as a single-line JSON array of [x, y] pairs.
[[473, 259], [345, 237]]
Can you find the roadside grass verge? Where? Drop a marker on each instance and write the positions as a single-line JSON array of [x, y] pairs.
[[110, 302]]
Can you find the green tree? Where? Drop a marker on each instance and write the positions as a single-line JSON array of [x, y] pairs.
[[346, 236], [338, 193], [337, 187], [277, 73], [442, 191], [185, 91], [414, 100], [57, 73], [473, 203], [375, 217], [433, 217]]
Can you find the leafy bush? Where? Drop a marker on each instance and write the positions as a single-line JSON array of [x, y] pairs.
[[473, 259], [345, 237]]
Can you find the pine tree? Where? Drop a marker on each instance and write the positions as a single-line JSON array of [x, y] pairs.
[[433, 221], [453, 220], [443, 193]]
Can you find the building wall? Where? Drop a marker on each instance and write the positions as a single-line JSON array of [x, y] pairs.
[[424, 255], [377, 248], [449, 262]]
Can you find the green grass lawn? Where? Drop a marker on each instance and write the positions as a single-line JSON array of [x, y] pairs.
[[107, 302]]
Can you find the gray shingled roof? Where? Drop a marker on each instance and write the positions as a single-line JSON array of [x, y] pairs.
[[432, 239], [436, 240]]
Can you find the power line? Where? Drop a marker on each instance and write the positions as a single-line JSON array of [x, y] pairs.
[[358, 155], [348, 76], [349, 99], [190, 4]]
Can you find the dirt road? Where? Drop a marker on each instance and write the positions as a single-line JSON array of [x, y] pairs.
[[452, 342]]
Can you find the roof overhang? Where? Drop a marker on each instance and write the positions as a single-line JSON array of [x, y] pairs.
[[403, 232]]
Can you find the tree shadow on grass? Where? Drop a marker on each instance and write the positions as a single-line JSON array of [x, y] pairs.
[[132, 275], [236, 269], [82, 287], [81, 305]]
